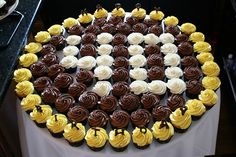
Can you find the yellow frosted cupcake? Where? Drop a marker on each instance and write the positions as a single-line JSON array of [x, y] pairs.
[[100, 12], [22, 74], [119, 139], [69, 22], [142, 137], [181, 119], [41, 114], [163, 131], [156, 14], [30, 101], [85, 18], [188, 28], [195, 108], [197, 36], [33, 47], [171, 21], [208, 97], [56, 124], [55, 29], [74, 133], [210, 68], [201, 46], [118, 11], [139, 12], [204, 56], [42, 37], [28, 59], [209, 82], [24, 88], [96, 138]]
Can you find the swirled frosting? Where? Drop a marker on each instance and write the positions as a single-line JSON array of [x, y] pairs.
[[119, 119], [149, 100], [137, 61], [22, 74], [103, 72], [33, 47], [120, 74], [102, 88], [138, 73], [175, 101], [156, 15], [74, 132], [119, 138], [42, 37], [64, 102], [88, 100], [204, 56], [104, 38], [138, 87], [139, 13], [55, 29], [151, 38], [140, 117], [96, 137], [188, 28], [208, 97], [172, 60], [157, 87], [41, 113], [173, 72], [201, 46], [129, 102], [162, 130], [120, 88], [108, 103], [210, 68], [98, 118], [69, 22], [30, 101], [100, 12], [169, 48], [171, 20], [78, 114], [135, 49], [167, 38], [86, 63], [28, 59], [135, 38], [197, 36], [73, 40], [176, 86], [24, 88], [56, 123], [195, 107], [142, 136], [104, 49], [118, 11], [105, 60], [70, 50], [209, 82]]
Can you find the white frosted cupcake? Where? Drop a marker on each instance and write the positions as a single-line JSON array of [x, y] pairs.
[[69, 63], [105, 60], [73, 40], [176, 86], [169, 48], [70, 50], [104, 49], [137, 61], [157, 87], [172, 60], [151, 39], [104, 38], [103, 72], [139, 87], [167, 38], [138, 74], [102, 88], [135, 49], [173, 72], [135, 38], [86, 63]]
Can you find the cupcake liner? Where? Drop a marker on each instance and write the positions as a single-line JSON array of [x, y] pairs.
[[71, 70], [41, 125], [96, 149], [194, 118], [180, 130], [85, 24], [141, 147], [119, 149], [76, 144], [163, 142], [57, 135]]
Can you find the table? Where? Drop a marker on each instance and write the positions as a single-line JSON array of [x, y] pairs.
[[199, 140]]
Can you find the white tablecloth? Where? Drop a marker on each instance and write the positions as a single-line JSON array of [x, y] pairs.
[[199, 140]]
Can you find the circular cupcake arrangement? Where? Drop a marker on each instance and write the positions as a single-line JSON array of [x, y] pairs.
[[95, 78]]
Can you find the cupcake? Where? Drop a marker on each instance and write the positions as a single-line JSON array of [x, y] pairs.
[[88, 100], [26, 60], [135, 49], [50, 94], [121, 62], [102, 88], [204, 56], [55, 70], [50, 59], [202, 46], [151, 49], [118, 11], [78, 114], [73, 40], [96, 138], [41, 83], [188, 28], [137, 61], [155, 60], [85, 18], [86, 63], [104, 49], [120, 74], [138, 74], [129, 102], [38, 69], [119, 139], [69, 22], [171, 20], [63, 81], [88, 50], [140, 118], [175, 101], [149, 101], [160, 113], [155, 73], [104, 38], [58, 41], [120, 50], [33, 47], [185, 49], [169, 48], [64, 102], [181, 38], [88, 38], [47, 48], [210, 68], [115, 20], [142, 137], [55, 29], [155, 29], [123, 28], [42, 37], [120, 88], [156, 14], [24, 88], [74, 133], [102, 72], [174, 30], [157, 87], [108, 104], [162, 131], [194, 87], [192, 73], [100, 22], [139, 87], [166, 38], [41, 114], [132, 20], [105, 60], [151, 39], [98, 118], [85, 77], [70, 50], [92, 29], [172, 60], [76, 89], [109, 28], [76, 30], [30, 101], [149, 22], [173, 72], [135, 38], [188, 61], [56, 124], [176, 86], [140, 28], [22, 74], [100, 12], [209, 82], [196, 36], [139, 12], [208, 97], [181, 119], [196, 108], [119, 119]]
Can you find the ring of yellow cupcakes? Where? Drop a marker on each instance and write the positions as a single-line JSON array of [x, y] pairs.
[[119, 138]]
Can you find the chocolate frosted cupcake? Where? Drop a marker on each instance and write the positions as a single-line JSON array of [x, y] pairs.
[[120, 50], [98, 118], [175, 101], [140, 118], [151, 49], [194, 88], [140, 28], [174, 30], [132, 20], [121, 62], [76, 30], [156, 73], [58, 41], [150, 22], [181, 38], [109, 28], [85, 77], [160, 113], [78, 114], [88, 50], [50, 94], [119, 139], [76, 89], [38, 69], [192, 73], [129, 102], [88, 100], [185, 49], [155, 60], [155, 29], [64, 102], [100, 22], [108, 104], [188, 61], [63, 81], [48, 48], [149, 100], [93, 29], [119, 119], [41, 83], [50, 59], [123, 28], [55, 70], [115, 20], [119, 39], [88, 38], [120, 74]]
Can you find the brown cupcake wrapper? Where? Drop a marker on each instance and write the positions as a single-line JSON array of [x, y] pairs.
[[57, 135], [141, 147], [96, 149], [76, 144], [119, 149]]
